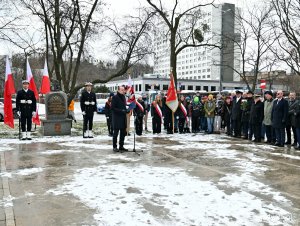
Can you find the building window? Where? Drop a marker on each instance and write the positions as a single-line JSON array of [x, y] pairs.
[[190, 87], [208, 69], [165, 87], [140, 87], [147, 87], [182, 87], [205, 88], [198, 87], [208, 76], [213, 88], [136, 87]]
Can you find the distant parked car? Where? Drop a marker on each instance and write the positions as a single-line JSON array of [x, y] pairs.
[[101, 106], [1, 111], [13, 106]]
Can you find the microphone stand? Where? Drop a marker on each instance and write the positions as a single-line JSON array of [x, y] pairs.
[[134, 132]]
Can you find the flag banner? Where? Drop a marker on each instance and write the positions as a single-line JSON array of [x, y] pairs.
[[139, 106], [9, 89], [263, 84], [172, 100], [158, 111], [32, 86], [184, 111], [45, 85]]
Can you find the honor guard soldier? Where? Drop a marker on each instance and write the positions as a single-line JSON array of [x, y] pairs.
[[26, 107], [88, 107]]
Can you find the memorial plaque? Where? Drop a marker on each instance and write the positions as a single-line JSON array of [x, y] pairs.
[[56, 123], [56, 106]]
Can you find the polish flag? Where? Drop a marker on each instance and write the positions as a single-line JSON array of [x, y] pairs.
[[9, 89], [32, 86], [45, 85], [263, 84], [172, 100]]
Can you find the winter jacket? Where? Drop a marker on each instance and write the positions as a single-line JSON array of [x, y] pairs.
[[209, 108], [268, 105]]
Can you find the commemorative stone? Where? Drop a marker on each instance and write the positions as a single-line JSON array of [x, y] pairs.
[[56, 122]]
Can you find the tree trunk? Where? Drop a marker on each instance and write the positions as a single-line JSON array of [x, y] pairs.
[[173, 57]]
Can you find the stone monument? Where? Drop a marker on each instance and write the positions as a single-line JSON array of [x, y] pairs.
[[56, 122]]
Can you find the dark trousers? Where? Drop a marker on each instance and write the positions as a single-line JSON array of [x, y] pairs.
[[280, 135], [195, 123], [167, 122], [181, 124], [270, 133], [26, 121], [122, 137], [236, 124], [109, 126], [256, 130], [87, 119], [139, 125], [298, 136], [289, 134], [156, 125], [228, 126], [203, 123], [246, 128]]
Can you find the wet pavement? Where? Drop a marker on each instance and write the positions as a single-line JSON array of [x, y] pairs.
[[181, 179]]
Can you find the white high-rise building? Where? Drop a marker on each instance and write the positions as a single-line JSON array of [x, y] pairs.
[[203, 63]]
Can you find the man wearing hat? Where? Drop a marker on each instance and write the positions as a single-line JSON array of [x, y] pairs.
[[26, 105], [108, 114], [88, 107], [256, 118], [268, 105], [237, 113]]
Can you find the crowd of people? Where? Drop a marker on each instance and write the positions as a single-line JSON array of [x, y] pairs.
[[269, 118]]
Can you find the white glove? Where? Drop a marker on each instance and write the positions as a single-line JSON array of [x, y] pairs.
[[19, 113], [33, 114], [127, 107], [177, 117], [107, 117], [83, 113]]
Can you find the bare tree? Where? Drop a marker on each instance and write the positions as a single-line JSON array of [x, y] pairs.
[[193, 36], [67, 26], [254, 43], [286, 27]]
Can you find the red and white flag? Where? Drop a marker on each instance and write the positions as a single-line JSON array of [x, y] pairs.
[[172, 100], [263, 84], [32, 86], [45, 85], [9, 89]]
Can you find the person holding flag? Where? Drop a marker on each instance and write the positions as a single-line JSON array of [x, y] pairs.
[[156, 114], [139, 112], [172, 100], [9, 89], [181, 114], [26, 109]]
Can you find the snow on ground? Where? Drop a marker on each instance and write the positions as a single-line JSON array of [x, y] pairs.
[[286, 156], [145, 195], [29, 171]]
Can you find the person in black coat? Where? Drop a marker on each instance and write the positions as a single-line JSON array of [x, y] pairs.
[[88, 107], [246, 108], [156, 114], [226, 114], [181, 115], [119, 121], [26, 107], [292, 105], [279, 116], [296, 122], [108, 115], [236, 114], [256, 118], [139, 112]]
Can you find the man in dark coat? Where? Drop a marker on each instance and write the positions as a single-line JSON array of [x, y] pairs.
[[26, 107], [279, 116], [119, 121], [246, 108], [236, 114], [292, 106], [108, 114], [256, 118], [88, 107], [296, 123]]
